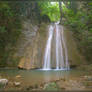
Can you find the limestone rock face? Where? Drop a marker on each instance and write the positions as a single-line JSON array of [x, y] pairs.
[[74, 56], [31, 46]]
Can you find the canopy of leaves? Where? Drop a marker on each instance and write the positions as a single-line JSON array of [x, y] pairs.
[[50, 9]]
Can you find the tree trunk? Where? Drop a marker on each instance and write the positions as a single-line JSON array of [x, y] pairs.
[[60, 7]]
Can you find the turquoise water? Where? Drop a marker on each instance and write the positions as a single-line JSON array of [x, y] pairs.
[[39, 76]]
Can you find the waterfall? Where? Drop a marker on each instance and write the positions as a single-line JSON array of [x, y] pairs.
[[59, 50], [66, 53], [61, 53], [47, 57]]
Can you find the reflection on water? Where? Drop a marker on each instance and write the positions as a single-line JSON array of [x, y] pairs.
[[54, 75], [39, 76]]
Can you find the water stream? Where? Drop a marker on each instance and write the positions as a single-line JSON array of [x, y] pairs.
[[61, 54], [47, 57]]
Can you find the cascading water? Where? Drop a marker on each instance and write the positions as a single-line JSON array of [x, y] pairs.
[[66, 53], [60, 49], [47, 57]]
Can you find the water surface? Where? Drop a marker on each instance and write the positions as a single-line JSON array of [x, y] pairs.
[[40, 76]]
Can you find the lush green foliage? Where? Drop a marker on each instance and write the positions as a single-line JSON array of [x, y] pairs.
[[81, 24], [50, 9], [78, 19], [12, 14], [9, 30]]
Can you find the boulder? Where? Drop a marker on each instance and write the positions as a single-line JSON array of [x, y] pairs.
[[3, 81], [18, 76], [17, 84]]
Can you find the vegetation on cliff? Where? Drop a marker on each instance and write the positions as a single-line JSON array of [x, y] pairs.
[[12, 13], [10, 26], [79, 19], [76, 15]]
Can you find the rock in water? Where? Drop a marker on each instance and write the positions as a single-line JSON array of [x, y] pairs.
[[18, 76], [17, 84], [3, 81]]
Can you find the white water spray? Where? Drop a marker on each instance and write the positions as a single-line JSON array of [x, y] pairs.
[[59, 50], [60, 47], [47, 57]]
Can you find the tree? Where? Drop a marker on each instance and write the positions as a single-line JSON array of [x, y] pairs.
[[60, 7]]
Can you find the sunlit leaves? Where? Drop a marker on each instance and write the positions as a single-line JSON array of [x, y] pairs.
[[50, 9]]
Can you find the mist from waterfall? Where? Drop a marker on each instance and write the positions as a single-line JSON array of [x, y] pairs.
[[61, 53]]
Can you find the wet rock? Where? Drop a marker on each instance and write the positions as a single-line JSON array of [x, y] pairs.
[[88, 78], [4, 81], [73, 66], [17, 84], [63, 79], [85, 76], [36, 86], [61, 84], [42, 85], [29, 88], [33, 87], [71, 84], [74, 85], [10, 83], [18, 76], [62, 88], [75, 57]]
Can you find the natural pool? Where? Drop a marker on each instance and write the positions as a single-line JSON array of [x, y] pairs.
[[38, 77]]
